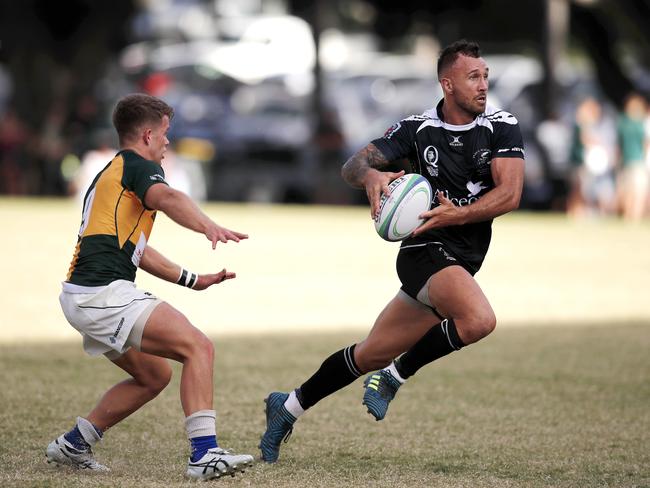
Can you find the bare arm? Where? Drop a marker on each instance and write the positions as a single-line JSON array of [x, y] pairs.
[[158, 265], [355, 169], [508, 176], [363, 170], [182, 210]]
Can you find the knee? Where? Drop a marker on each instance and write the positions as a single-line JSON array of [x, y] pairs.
[[478, 325], [195, 345], [202, 347], [489, 324], [155, 379], [162, 378]]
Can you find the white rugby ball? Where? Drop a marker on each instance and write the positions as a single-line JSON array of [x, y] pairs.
[[399, 212]]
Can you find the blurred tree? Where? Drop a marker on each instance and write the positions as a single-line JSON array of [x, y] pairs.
[[56, 51], [609, 32]]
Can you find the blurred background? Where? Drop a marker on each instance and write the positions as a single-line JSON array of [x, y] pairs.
[[272, 96]]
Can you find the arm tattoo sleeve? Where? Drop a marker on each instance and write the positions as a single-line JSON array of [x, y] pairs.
[[357, 166]]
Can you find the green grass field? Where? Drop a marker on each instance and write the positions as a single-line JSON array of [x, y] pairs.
[[528, 407], [558, 396]]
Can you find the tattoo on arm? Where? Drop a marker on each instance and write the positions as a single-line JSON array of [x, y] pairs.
[[357, 166]]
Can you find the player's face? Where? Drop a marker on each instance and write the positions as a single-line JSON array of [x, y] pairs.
[[469, 81], [158, 141]]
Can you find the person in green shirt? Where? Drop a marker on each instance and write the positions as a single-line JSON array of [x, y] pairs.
[[633, 182], [132, 328]]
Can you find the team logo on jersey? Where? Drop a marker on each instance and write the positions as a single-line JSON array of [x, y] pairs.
[[474, 188], [456, 142], [391, 130], [430, 156], [482, 159], [157, 177]]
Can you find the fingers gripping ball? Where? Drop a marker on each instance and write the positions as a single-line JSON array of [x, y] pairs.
[[399, 212]]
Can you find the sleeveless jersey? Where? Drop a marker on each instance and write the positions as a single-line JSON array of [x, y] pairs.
[[115, 224], [456, 160]]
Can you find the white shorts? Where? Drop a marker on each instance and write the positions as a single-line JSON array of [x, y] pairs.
[[110, 318]]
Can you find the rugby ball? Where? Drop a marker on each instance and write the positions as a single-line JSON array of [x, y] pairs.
[[398, 216]]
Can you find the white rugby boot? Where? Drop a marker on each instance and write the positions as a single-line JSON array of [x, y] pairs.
[[61, 452], [218, 462]]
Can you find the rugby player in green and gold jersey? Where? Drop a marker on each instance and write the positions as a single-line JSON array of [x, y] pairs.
[[132, 328]]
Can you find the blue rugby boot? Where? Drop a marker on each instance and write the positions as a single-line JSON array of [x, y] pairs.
[[380, 389], [279, 425]]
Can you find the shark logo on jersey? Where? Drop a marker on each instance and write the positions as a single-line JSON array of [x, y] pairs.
[[456, 142], [431, 159], [482, 159], [475, 188]]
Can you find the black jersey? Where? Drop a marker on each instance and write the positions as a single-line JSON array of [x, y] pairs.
[[456, 161]]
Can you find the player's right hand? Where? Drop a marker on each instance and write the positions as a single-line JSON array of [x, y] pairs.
[[376, 183]]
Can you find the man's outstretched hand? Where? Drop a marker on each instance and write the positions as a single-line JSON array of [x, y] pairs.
[[207, 280]]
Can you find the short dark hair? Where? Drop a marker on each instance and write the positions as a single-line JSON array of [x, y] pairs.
[[450, 54], [138, 109]]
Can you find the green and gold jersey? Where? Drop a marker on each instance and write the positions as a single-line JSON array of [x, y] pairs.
[[115, 223]]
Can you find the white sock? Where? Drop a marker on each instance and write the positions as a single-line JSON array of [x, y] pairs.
[[393, 370], [88, 431], [201, 423], [293, 405]]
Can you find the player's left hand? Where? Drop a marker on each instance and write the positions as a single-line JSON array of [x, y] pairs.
[[215, 233], [206, 280], [444, 215]]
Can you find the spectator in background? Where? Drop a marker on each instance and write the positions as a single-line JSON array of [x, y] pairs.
[[554, 136], [51, 147], [83, 118], [647, 150], [14, 136], [92, 162], [633, 177], [184, 172], [593, 153]]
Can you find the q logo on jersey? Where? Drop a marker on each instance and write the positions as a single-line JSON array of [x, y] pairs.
[[430, 156], [391, 130]]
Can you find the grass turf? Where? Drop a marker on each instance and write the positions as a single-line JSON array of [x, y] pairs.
[[546, 405], [526, 407]]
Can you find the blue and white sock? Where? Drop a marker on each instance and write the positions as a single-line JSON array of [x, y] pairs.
[[84, 435], [202, 432]]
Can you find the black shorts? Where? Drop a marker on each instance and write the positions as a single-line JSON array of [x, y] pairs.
[[417, 263]]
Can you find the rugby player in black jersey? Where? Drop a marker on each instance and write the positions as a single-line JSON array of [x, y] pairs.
[[472, 154], [132, 328]]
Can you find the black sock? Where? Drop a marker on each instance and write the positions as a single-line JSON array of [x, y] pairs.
[[439, 341], [336, 372]]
